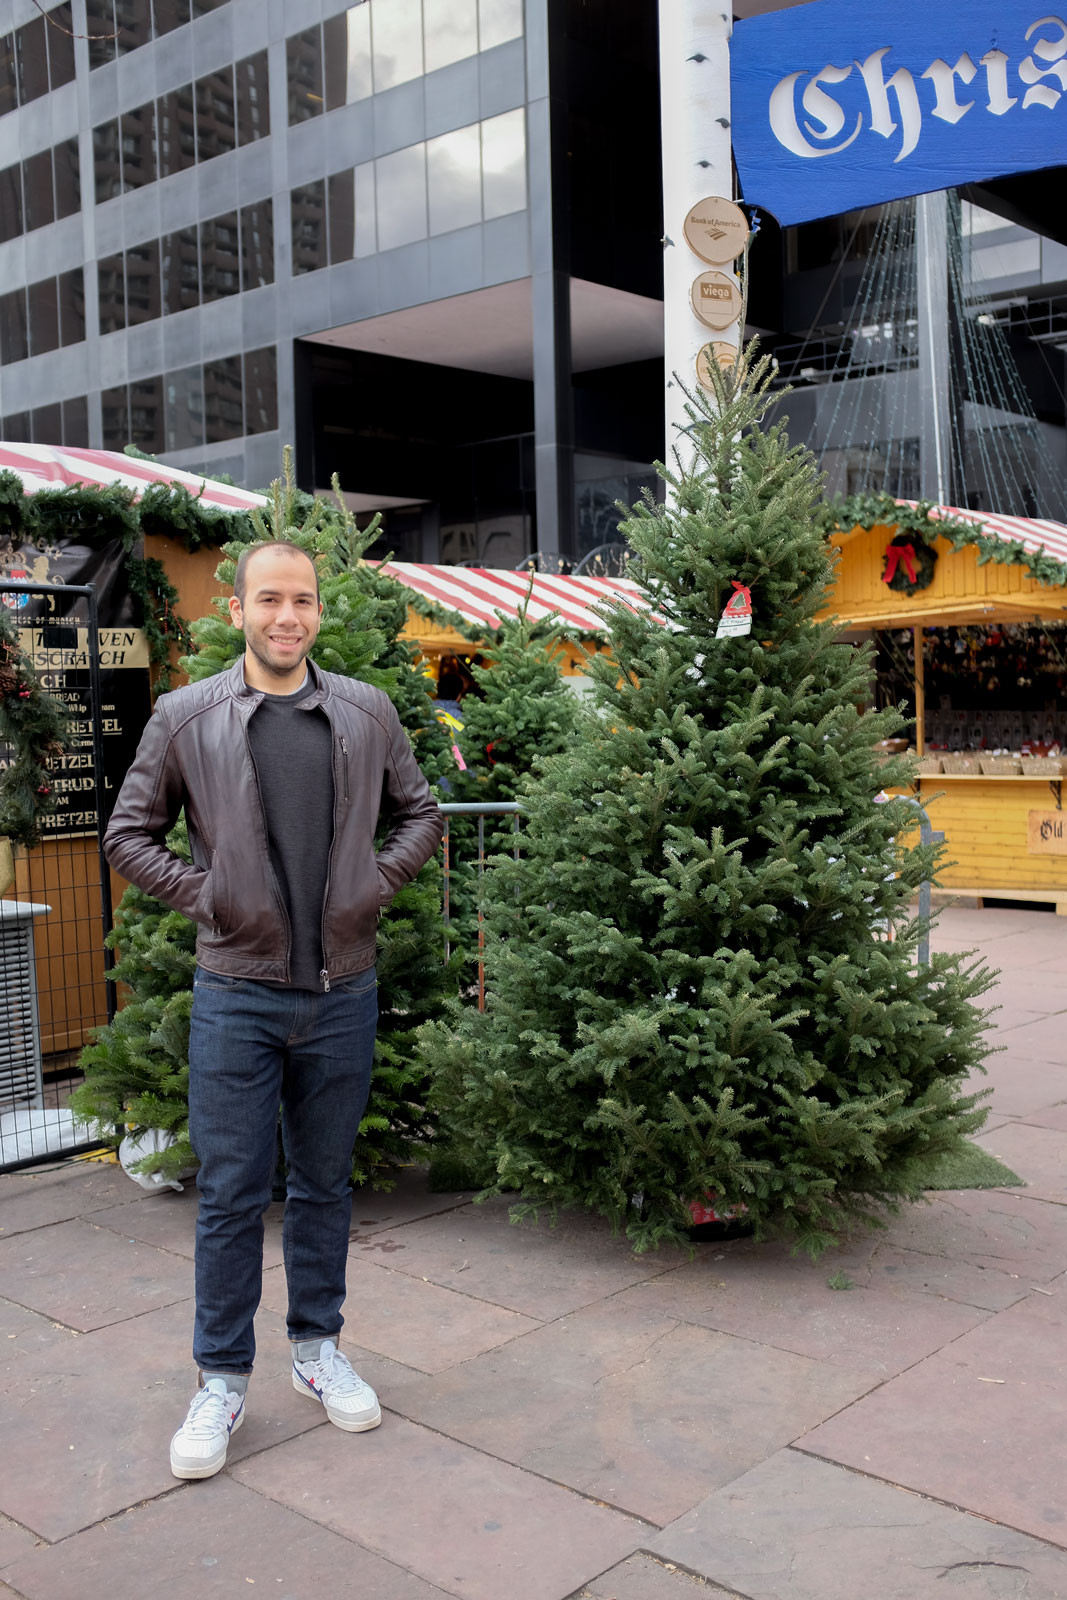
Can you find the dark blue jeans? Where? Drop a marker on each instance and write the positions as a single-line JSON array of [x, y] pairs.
[[253, 1048]]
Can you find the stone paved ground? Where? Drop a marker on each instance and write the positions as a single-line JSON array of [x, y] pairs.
[[562, 1418]]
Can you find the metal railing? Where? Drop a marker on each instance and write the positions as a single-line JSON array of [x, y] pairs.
[[514, 809], [482, 809]]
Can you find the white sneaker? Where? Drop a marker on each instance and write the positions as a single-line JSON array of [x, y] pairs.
[[350, 1403], [198, 1449]]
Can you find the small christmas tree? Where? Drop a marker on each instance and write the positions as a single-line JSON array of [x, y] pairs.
[[523, 711], [136, 1070], [690, 987]]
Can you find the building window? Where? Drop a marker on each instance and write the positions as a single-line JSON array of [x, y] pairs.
[[308, 214], [468, 176], [111, 293], [46, 424], [261, 390], [180, 270], [223, 412], [183, 408], [102, 32], [116, 27], [143, 302], [43, 303], [146, 415], [115, 409], [38, 191], [71, 307], [454, 173], [11, 202], [400, 181], [176, 130], [68, 179], [138, 140], [107, 160], [253, 99], [381, 43], [220, 258], [216, 116], [396, 39], [36, 58], [76, 422], [504, 164], [14, 333], [303, 60], [257, 245], [194, 123]]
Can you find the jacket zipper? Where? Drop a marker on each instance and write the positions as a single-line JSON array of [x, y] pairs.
[[325, 974], [283, 914]]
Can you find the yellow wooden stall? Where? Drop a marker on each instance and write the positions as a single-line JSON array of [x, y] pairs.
[[1006, 835]]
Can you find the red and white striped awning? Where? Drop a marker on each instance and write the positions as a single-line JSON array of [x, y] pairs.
[[484, 595], [1032, 532], [43, 466]]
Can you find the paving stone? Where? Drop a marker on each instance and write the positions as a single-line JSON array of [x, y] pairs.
[[798, 1529], [1002, 1231], [1037, 1154], [982, 1424], [90, 1425], [15, 1541], [87, 1276], [1050, 1117], [627, 1406], [411, 1199], [881, 1325], [1041, 1038], [26, 1335], [1008, 1023], [1021, 1083], [1029, 988], [168, 1221], [212, 1539], [645, 1578], [36, 1201], [534, 1268], [476, 1527], [416, 1323]]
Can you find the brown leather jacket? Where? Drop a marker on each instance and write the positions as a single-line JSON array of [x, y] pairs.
[[195, 753]]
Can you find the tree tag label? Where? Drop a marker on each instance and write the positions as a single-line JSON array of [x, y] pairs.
[[736, 619]]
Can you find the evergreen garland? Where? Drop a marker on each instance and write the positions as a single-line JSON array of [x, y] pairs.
[[690, 988], [34, 726], [882, 510]]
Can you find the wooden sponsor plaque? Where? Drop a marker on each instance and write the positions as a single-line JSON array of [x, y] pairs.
[[718, 354], [1046, 833], [716, 299], [717, 231]]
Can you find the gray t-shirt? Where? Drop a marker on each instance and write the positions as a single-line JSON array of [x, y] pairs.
[[292, 748]]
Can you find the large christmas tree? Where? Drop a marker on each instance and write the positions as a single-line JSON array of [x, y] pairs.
[[691, 991], [136, 1070]]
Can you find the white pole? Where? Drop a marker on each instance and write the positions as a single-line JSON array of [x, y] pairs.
[[694, 54]]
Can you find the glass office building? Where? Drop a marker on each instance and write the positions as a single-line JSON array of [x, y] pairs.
[[369, 231], [420, 240]]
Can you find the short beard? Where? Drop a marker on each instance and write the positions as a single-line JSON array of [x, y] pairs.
[[272, 667]]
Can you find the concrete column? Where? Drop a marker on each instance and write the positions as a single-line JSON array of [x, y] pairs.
[[935, 348], [549, 283], [694, 51]]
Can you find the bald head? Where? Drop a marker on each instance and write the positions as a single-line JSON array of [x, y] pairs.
[[281, 547]]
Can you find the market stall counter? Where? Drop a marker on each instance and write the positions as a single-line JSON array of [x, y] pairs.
[[969, 616]]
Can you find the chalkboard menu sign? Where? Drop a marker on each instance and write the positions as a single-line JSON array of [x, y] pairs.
[[53, 631]]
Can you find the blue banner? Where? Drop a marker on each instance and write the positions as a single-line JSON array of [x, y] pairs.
[[847, 103]]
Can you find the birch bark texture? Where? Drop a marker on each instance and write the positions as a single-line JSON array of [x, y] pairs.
[[694, 54]]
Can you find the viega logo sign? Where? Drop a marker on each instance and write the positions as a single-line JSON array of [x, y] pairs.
[[838, 105]]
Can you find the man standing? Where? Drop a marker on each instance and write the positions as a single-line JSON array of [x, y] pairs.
[[282, 770]]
